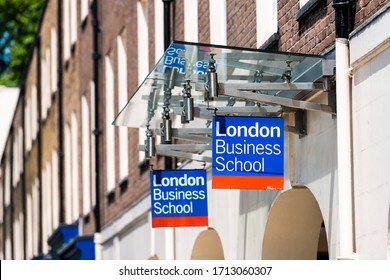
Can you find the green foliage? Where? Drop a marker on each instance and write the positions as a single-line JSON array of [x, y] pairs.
[[18, 25]]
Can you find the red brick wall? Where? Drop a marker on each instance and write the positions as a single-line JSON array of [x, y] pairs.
[[312, 34], [366, 8], [204, 21], [241, 23], [178, 20]]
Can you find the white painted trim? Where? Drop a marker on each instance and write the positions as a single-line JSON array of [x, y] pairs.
[[73, 22], [266, 20], [55, 188], [53, 47], [218, 23], [122, 101], [85, 152], [75, 167], [191, 20], [110, 130], [66, 29], [158, 29], [92, 139], [68, 176]]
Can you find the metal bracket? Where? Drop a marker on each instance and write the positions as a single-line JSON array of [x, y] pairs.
[[250, 91], [300, 122], [203, 112], [194, 134], [182, 151]]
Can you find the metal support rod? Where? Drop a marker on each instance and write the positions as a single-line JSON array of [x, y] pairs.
[[269, 99]]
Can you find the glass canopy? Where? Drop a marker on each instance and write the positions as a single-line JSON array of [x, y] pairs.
[[187, 63]]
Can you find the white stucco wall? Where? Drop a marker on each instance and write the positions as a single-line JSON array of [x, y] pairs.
[[370, 59], [314, 165]]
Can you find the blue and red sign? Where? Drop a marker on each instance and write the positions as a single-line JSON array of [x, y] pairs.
[[179, 198], [248, 153]]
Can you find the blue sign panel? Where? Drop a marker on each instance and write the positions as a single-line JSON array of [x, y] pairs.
[[179, 198], [248, 153]]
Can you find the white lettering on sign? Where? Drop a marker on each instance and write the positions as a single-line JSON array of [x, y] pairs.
[[159, 194], [185, 180], [251, 131], [223, 147], [171, 208], [238, 165]]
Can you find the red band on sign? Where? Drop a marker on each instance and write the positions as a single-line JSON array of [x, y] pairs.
[[248, 182], [180, 221]]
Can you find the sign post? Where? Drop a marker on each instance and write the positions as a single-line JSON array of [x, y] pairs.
[[179, 198], [248, 153]]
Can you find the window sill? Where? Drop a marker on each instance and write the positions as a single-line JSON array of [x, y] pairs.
[[306, 9], [270, 42]]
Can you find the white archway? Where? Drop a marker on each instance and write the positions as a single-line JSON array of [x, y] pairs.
[[295, 228], [208, 246]]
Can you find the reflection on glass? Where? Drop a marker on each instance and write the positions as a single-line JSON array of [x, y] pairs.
[[184, 61]]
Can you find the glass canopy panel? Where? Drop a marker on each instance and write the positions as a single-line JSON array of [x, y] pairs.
[[184, 61]]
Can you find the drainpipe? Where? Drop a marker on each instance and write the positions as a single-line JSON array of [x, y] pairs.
[[344, 130], [39, 98], [96, 131], [60, 117], [167, 42], [171, 233], [167, 23]]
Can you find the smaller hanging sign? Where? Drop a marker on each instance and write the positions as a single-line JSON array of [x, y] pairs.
[[179, 198]]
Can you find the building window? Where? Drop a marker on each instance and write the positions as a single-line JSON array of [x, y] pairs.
[[34, 112], [266, 20], [84, 5], [122, 100], [43, 89], [29, 225], [27, 121], [143, 55], [218, 23], [75, 167], [92, 137], [55, 189], [86, 138], [47, 202], [158, 29], [20, 148], [53, 47], [17, 233], [68, 176], [73, 21], [191, 20], [7, 184], [305, 7], [66, 29], [110, 129], [35, 207], [15, 167], [302, 3]]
